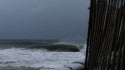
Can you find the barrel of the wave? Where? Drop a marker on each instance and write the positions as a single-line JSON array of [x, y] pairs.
[[59, 47]]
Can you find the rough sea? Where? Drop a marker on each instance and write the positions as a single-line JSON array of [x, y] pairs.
[[18, 55]]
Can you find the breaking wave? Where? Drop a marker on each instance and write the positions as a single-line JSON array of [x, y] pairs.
[[27, 58]]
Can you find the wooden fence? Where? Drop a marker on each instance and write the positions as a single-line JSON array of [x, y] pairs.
[[106, 35]]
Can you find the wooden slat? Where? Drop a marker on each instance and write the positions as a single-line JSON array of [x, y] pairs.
[[106, 38]]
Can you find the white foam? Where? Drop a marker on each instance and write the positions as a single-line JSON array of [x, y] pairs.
[[37, 58]]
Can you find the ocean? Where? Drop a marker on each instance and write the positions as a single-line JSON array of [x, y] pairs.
[[26, 55]]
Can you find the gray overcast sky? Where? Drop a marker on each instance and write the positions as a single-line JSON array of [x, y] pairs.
[[43, 19]]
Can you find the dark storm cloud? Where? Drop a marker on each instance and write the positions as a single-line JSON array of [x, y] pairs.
[[43, 19]]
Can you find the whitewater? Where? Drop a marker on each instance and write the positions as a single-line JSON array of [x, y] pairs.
[[37, 59], [17, 55]]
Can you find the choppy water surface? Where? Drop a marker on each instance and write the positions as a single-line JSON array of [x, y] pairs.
[[36, 59]]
